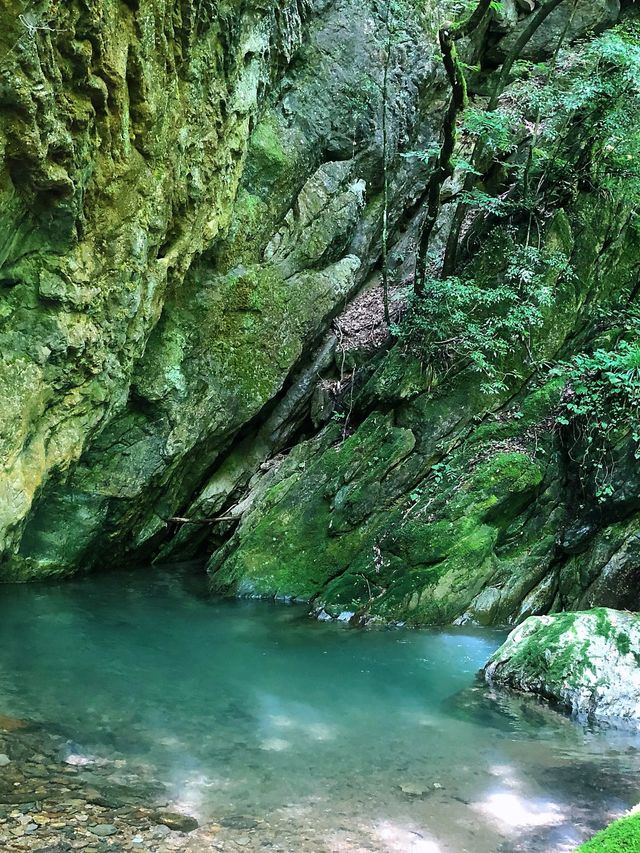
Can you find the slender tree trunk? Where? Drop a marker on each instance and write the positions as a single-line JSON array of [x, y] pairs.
[[447, 37], [525, 37], [536, 132]]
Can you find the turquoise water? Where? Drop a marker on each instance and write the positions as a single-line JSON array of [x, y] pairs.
[[370, 740]]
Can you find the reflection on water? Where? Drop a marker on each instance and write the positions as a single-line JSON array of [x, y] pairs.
[[375, 738]]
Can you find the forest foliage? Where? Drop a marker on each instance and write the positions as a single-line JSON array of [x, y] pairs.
[[564, 126]]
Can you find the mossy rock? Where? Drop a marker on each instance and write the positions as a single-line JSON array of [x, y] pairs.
[[587, 662]]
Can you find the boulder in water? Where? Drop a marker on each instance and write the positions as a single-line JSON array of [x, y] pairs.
[[588, 662]]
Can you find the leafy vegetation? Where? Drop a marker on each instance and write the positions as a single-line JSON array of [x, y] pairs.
[[497, 129], [602, 406], [596, 89], [623, 836], [459, 321], [459, 318]]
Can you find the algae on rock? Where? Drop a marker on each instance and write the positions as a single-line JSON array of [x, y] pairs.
[[490, 512], [451, 506], [121, 145]]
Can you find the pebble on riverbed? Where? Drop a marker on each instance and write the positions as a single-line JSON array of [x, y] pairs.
[[102, 830]]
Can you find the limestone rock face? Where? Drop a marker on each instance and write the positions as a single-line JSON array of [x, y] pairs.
[[422, 513], [123, 136], [588, 662], [187, 194], [440, 498], [568, 21]]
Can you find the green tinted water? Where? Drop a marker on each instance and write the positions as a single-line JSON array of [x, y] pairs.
[[358, 740]]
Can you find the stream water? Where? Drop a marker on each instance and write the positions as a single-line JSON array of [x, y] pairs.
[[332, 738]]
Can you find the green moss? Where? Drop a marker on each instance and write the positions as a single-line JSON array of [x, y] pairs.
[[472, 515], [436, 593], [106, 200], [401, 376], [311, 531], [623, 643], [605, 628], [532, 411], [555, 654], [267, 146], [498, 487], [622, 836]]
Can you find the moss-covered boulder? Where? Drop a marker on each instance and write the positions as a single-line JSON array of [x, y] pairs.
[[587, 662]]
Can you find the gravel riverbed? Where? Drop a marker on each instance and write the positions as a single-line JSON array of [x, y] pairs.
[[56, 800]]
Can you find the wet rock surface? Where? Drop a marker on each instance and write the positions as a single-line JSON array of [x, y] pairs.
[[177, 261]]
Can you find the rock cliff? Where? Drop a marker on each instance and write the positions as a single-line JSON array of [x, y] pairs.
[[195, 361], [188, 195]]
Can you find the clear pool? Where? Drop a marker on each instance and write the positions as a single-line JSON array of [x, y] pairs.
[[368, 740]]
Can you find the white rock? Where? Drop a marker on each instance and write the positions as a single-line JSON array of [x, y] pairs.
[[588, 661], [76, 760]]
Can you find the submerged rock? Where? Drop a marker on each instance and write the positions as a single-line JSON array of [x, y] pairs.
[[76, 759], [414, 789], [588, 662], [103, 830], [176, 821], [12, 724]]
